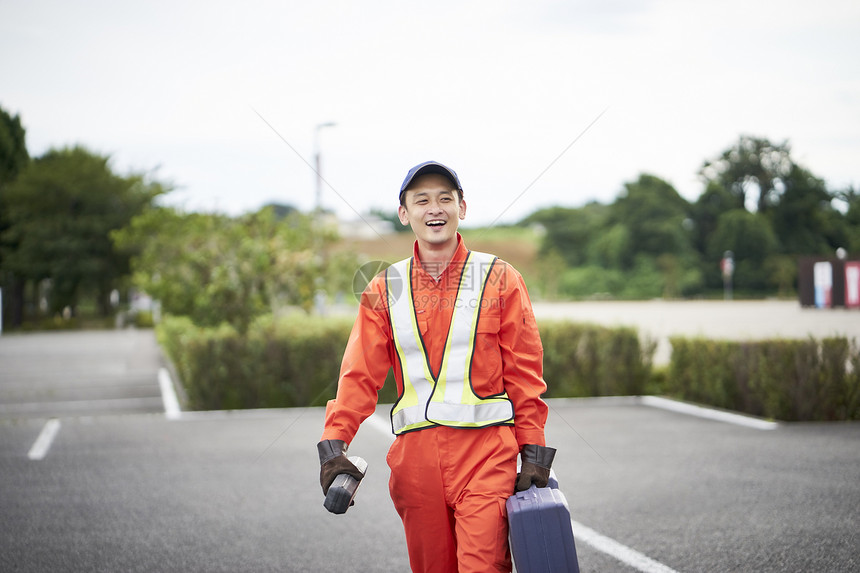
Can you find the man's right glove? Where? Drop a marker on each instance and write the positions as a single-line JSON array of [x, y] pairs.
[[537, 461], [333, 461]]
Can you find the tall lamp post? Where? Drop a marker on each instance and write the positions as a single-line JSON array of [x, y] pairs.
[[318, 162]]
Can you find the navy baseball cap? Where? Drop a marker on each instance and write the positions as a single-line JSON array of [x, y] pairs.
[[430, 167]]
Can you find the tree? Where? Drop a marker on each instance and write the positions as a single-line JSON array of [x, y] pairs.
[[568, 231], [61, 210], [762, 177], [214, 269], [643, 238], [802, 218], [850, 198], [757, 202], [281, 210], [13, 148], [706, 211], [753, 170], [611, 247], [660, 258], [653, 213], [751, 239], [13, 158]]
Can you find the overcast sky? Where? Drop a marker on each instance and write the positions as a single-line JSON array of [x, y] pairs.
[[223, 97]]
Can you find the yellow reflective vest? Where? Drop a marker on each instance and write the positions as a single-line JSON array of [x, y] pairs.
[[448, 399]]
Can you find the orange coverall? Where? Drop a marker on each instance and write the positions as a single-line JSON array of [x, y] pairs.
[[449, 485]]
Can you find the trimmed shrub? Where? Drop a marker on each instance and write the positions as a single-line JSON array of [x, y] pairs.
[[280, 363], [295, 361], [587, 360], [792, 380]]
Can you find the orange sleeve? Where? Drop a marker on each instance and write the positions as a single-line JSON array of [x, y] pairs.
[[522, 360], [365, 365]]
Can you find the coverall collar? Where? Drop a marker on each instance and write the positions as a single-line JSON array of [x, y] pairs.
[[459, 255]]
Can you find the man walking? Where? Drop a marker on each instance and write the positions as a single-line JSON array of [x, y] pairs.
[[457, 327]]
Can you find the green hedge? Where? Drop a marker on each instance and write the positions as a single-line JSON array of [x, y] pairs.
[[275, 364], [296, 361], [588, 360], [792, 380]]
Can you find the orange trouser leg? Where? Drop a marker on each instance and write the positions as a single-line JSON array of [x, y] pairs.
[[449, 487]]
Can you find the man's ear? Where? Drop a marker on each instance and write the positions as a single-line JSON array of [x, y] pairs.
[[462, 209], [403, 215]]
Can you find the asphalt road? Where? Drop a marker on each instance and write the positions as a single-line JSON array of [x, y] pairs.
[[120, 489], [79, 373]]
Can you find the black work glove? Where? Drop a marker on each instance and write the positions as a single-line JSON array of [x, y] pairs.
[[537, 460], [333, 461]]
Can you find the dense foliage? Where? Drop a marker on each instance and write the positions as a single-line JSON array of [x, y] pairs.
[[73, 234], [58, 214], [72, 231], [651, 242], [214, 268]]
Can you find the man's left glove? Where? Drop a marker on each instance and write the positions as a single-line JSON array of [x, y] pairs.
[[333, 461], [537, 461]]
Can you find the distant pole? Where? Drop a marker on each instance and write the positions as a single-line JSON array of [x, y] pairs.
[[727, 266], [1, 311], [318, 162]]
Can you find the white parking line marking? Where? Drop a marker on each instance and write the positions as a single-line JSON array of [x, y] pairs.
[[708, 413], [46, 438], [598, 541], [172, 411], [622, 553]]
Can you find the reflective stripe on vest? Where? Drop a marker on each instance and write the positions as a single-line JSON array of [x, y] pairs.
[[448, 399]]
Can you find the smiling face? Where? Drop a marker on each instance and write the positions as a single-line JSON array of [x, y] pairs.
[[433, 208]]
